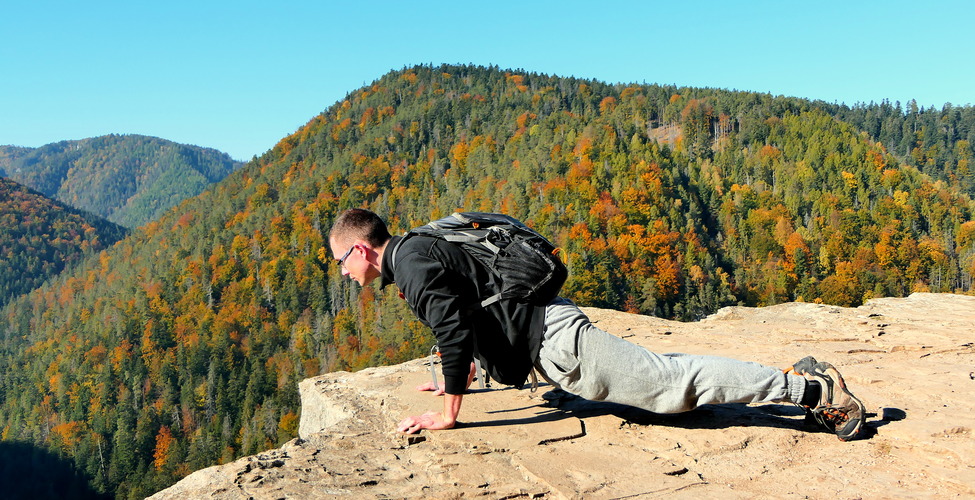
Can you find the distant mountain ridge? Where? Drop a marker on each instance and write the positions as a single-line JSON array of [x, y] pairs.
[[127, 179], [39, 237], [8, 154]]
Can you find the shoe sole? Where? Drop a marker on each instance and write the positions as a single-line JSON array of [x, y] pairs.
[[831, 380], [853, 425]]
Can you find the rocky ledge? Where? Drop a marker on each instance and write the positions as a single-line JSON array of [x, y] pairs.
[[911, 360]]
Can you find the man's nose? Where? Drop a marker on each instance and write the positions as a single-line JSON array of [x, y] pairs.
[[345, 272]]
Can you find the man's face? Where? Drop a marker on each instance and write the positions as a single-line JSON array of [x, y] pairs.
[[352, 257]]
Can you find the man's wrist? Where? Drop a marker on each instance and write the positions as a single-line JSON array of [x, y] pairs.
[[447, 421]]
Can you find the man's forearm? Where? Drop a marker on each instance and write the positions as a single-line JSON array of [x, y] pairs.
[[451, 408], [452, 402]]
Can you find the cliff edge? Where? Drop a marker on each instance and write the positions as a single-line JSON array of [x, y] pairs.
[[911, 360]]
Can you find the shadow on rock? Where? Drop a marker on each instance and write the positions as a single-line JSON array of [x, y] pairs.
[[887, 415], [563, 405]]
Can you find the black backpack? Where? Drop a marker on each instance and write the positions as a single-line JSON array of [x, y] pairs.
[[527, 264]]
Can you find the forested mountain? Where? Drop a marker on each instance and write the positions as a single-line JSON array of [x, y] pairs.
[[181, 346], [127, 179], [39, 237], [938, 142], [9, 154]]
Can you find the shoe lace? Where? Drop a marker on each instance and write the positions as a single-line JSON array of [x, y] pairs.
[[832, 414]]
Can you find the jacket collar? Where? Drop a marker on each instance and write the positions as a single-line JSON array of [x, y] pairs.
[[387, 271]]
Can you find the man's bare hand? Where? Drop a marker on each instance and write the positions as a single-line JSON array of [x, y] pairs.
[[430, 420], [429, 386]]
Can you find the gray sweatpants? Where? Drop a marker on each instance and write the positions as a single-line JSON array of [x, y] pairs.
[[588, 362]]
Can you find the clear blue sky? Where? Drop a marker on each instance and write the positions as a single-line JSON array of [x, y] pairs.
[[240, 75]]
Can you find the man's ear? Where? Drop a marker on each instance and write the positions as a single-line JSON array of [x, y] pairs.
[[372, 256]]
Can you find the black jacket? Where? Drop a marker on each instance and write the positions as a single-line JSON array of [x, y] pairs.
[[444, 286]]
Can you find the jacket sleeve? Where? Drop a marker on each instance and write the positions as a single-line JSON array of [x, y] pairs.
[[442, 299]]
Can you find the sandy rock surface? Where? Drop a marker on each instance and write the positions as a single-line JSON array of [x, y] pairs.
[[911, 360]]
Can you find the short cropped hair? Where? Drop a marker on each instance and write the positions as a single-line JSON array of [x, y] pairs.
[[360, 223]]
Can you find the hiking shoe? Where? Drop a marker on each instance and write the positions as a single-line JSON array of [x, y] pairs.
[[838, 409]]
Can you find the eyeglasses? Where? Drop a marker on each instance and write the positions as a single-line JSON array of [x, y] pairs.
[[346, 256]]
